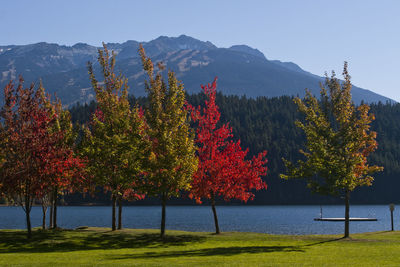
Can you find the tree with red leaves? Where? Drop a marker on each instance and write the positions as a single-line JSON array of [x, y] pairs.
[[34, 161], [223, 170], [67, 173]]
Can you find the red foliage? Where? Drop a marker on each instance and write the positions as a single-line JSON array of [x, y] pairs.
[[131, 195], [37, 160], [223, 170], [98, 115]]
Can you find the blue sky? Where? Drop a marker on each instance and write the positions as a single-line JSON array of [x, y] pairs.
[[318, 35]]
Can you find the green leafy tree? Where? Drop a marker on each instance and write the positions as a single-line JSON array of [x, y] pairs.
[[114, 142], [173, 161], [339, 141]]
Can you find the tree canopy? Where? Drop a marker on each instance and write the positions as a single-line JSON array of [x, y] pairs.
[[223, 170], [34, 161], [339, 141], [114, 142], [173, 160]]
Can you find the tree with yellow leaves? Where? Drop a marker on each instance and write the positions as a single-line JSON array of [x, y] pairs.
[[339, 141], [173, 161], [114, 142]]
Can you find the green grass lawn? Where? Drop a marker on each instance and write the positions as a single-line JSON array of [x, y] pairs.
[[100, 246]]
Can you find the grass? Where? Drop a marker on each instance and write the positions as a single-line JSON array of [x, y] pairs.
[[100, 246]]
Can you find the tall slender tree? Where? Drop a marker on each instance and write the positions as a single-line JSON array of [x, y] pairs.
[[71, 175], [3, 142], [173, 160], [339, 141], [25, 123], [114, 145], [223, 170]]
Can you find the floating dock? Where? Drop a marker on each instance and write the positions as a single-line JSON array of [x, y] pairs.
[[342, 219]]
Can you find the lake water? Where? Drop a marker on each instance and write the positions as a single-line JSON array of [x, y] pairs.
[[297, 220]]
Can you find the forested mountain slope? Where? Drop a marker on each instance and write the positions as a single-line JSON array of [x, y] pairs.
[[268, 124]]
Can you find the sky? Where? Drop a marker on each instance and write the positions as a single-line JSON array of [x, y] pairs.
[[318, 35]]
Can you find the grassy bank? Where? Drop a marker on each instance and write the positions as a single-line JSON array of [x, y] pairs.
[[100, 246]]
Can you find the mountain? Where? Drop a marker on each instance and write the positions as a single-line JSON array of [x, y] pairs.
[[248, 50], [241, 70]]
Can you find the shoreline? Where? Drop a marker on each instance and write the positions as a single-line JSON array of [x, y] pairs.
[[200, 205]]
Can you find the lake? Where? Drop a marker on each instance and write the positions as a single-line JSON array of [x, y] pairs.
[[296, 220]]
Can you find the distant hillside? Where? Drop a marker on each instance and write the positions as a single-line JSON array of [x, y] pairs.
[[242, 70]]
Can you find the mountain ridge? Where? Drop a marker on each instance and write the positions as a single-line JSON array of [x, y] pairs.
[[242, 70]]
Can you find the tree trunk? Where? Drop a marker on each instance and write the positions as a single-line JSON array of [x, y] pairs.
[[44, 209], [215, 214], [119, 213], [51, 225], [28, 217], [347, 214], [113, 212], [55, 198], [163, 203]]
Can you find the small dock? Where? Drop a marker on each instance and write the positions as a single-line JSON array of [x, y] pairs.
[[342, 219]]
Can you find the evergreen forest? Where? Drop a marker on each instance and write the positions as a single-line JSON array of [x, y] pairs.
[[269, 124]]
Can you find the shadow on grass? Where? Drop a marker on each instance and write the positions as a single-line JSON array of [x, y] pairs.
[[324, 241], [219, 251], [73, 240]]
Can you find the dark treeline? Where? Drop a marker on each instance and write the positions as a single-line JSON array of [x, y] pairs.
[[268, 124]]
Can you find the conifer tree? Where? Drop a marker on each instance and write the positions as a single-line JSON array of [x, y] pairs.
[[173, 161], [114, 142], [339, 141]]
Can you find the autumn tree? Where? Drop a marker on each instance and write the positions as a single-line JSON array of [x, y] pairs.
[[339, 141], [173, 160], [114, 142], [32, 155], [25, 126], [70, 176], [223, 170], [3, 143]]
